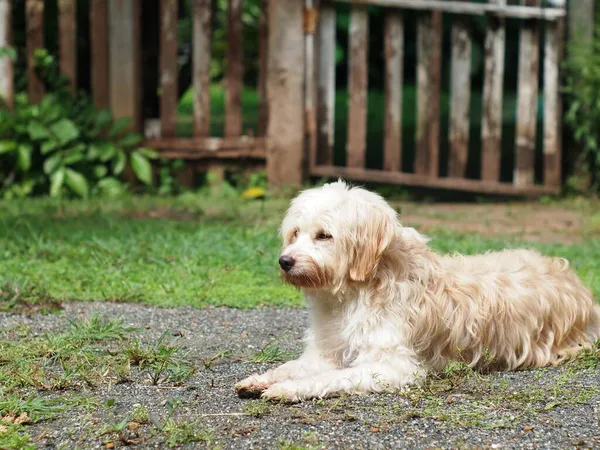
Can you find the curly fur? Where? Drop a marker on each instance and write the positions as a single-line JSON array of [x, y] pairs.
[[386, 309]]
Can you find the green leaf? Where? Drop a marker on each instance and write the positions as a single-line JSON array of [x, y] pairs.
[[106, 150], [56, 181], [100, 171], [9, 52], [103, 119], [48, 146], [119, 163], [75, 154], [37, 131], [111, 187], [141, 167], [130, 139], [119, 126], [7, 146], [149, 153], [77, 182], [52, 163], [65, 131], [24, 157]]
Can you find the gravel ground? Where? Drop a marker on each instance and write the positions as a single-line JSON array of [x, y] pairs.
[[456, 418]]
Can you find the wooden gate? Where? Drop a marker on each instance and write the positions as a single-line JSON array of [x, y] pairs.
[[429, 32]]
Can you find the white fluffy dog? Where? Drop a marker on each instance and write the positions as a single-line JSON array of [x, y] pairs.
[[386, 309]]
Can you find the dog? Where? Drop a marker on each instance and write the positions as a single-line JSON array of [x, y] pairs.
[[386, 310]]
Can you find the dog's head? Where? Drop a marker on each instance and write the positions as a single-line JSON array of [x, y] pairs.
[[334, 235]]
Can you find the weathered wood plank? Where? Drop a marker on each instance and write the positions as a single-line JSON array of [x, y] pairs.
[[552, 105], [235, 70], [411, 179], [168, 67], [35, 39], [460, 97], [326, 85], [67, 24], [429, 49], [491, 125], [7, 84], [211, 144], [202, 32], [124, 60], [263, 104], [394, 58], [99, 52], [527, 97], [357, 87], [463, 7], [285, 148], [310, 116]]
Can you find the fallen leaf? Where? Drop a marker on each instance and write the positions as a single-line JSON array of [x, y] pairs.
[[251, 193], [8, 418], [133, 425], [449, 400], [3, 428], [22, 419], [110, 445], [529, 428], [374, 430]]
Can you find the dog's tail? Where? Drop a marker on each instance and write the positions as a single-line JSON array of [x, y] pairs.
[[593, 329]]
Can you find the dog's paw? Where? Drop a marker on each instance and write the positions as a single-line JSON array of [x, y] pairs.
[[252, 387], [286, 391]]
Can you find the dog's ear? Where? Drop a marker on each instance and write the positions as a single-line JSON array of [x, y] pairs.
[[371, 240]]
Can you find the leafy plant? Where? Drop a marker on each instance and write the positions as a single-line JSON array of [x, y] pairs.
[[583, 115], [64, 145]]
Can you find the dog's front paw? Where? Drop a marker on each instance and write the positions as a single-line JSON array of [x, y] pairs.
[[286, 391], [253, 386]]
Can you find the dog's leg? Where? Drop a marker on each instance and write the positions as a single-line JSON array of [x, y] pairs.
[[374, 377], [310, 363]]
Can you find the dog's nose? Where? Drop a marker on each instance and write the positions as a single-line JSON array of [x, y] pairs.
[[286, 262]]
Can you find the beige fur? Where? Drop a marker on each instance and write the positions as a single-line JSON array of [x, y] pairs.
[[386, 308]]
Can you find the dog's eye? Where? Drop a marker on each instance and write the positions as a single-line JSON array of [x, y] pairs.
[[323, 237], [296, 232]]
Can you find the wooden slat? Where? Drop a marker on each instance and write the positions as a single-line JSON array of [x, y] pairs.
[[527, 97], [99, 52], [35, 39], [285, 134], [460, 97], [124, 60], [7, 85], [411, 179], [168, 68], [552, 105], [357, 87], [202, 33], [491, 125], [310, 117], [465, 7], [212, 144], [326, 85], [429, 49], [394, 56], [263, 104], [67, 24], [235, 70]]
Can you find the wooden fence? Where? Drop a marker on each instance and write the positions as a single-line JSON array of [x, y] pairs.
[[297, 86], [428, 73]]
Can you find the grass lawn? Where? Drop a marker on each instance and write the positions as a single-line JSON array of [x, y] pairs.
[[201, 249]]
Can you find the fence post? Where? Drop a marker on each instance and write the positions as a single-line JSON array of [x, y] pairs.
[[35, 39], [67, 23], [285, 131], [6, 64]]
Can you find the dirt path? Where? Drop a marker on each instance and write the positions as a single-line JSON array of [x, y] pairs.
[[551, 408]]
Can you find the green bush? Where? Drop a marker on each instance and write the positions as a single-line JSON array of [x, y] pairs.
[[582, 86], [64, 145]]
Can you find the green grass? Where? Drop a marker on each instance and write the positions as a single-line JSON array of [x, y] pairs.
[[196, 249]]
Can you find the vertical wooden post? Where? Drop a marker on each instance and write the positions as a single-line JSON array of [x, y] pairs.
[[394, 56], [168, 68], [99, 52], [285, 148], [527, 93], [263, 105], [35, 39], [235, 70], [201, 61], [491, 124], [124, 60], [310, 117], [581, 17], [357, 87], [7, 84], [67, 23], [429, 49], [326, 85], [552, 104], [460, 91]]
